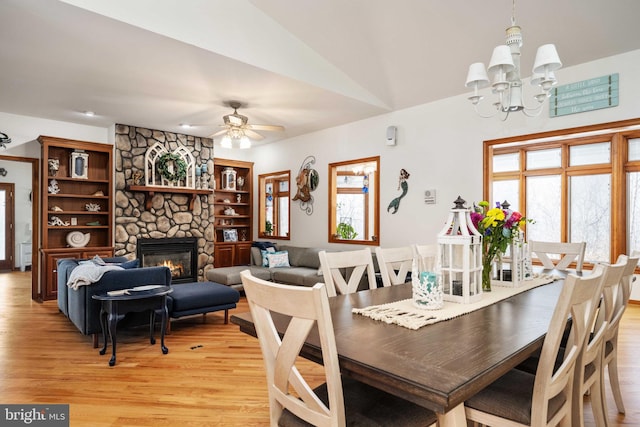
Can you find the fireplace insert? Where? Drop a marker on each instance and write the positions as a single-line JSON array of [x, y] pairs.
[[180, 254]]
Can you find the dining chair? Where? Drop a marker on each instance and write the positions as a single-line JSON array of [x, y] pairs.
[[520, 398], [610, 356], [395, 264], [567, 253], [339, 401], [344, 271], [588, 377]]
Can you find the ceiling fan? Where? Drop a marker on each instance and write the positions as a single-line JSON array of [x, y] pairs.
[[236, 127]]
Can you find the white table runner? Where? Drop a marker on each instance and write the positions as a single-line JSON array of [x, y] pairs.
[[405, 313]]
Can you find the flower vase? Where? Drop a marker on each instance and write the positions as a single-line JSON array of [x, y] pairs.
[[487, 270]]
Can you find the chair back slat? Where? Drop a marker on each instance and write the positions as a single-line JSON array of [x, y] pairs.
[[394, 264], [567, 253], [343, 271]]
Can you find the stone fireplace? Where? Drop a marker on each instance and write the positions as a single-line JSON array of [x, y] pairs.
[[169, 215], [179, 254]]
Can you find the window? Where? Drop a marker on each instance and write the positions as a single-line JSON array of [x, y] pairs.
[[354, 195], [577, 185], [273, 206]]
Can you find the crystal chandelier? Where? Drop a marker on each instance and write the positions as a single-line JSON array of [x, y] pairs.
[[507, 83]]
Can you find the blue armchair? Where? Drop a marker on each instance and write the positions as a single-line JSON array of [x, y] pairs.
[[78, 304]]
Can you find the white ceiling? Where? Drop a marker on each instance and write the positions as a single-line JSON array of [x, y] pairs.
[[305, 64]]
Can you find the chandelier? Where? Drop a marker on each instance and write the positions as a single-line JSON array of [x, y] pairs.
[[507, 83], [235, 134]]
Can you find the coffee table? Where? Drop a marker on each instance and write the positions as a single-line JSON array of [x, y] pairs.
[[116, 304]]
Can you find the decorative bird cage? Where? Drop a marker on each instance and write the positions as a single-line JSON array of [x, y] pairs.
[[513, 268], [229, 178], [460, 255]]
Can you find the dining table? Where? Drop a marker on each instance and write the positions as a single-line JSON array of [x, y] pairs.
[[438, 366]]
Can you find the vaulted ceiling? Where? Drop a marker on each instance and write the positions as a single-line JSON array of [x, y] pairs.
[[305, 64]]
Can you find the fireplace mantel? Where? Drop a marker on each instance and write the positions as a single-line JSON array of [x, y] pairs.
[[149, 191]]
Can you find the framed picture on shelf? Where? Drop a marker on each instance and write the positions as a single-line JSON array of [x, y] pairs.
[[230, 235]]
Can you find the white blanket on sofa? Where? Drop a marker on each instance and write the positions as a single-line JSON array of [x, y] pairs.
[[87, 273]]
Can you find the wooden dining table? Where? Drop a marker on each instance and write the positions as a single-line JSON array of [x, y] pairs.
[[438, 366]]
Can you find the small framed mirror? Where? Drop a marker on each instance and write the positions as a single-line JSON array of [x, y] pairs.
[[273, 206], [354, 195]]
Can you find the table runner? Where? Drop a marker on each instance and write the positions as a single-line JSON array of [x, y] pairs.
[[405, 313]]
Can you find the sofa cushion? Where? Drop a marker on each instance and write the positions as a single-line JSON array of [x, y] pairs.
[[231, 275], [302, 276], [302, 257], [188, 297]]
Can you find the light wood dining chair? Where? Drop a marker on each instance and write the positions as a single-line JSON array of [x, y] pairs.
[[588, 376], [292, 401], [610, 356], [567, 252], [520, 398], [343, 271], [395, 264]]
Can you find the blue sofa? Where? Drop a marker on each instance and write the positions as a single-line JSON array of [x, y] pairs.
[[79, 306], [187, 299]]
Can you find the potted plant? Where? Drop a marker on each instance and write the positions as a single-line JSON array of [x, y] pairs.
[[346, 231], [268, 228]]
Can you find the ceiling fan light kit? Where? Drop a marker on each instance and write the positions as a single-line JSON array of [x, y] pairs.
[[504, 66], [237, 128]]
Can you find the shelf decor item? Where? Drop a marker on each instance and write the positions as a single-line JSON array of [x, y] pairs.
[[229, 179], [54, 166], [170, 169], [231, 235], [77, 239], [460, 256], [79, 164], [92, 207]]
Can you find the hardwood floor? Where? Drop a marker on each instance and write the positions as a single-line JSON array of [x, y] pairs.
[[212, 376]]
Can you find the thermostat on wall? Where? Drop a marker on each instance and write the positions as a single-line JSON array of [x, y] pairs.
[[430, 197]]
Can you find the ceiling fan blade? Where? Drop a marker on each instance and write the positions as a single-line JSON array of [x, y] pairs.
[[265, 127], [220, 132], [253, 135]]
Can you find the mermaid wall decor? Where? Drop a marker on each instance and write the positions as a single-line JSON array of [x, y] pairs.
[[402, 185]]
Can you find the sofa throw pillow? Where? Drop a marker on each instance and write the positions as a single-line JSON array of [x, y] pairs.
[[278, 259], [265, 260], [263, 245]]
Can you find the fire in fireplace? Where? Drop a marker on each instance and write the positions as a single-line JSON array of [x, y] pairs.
[[178, 253]]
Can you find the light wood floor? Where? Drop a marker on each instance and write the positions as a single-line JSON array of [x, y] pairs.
[[212, 376]]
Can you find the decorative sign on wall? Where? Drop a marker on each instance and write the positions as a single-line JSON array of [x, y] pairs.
[[587, 95], [306, 181]]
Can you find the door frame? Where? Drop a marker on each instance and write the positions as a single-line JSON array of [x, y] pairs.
[[9, 228], [36, 294]]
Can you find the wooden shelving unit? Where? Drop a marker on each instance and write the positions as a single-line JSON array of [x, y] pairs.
[[228, 253], [70, 206]]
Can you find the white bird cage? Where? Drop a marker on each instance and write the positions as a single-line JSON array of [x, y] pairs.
[[460, 255]]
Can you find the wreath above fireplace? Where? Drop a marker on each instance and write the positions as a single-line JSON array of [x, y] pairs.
[[172, 167]]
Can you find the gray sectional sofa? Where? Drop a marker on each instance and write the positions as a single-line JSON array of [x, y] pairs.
[[304, 268]]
